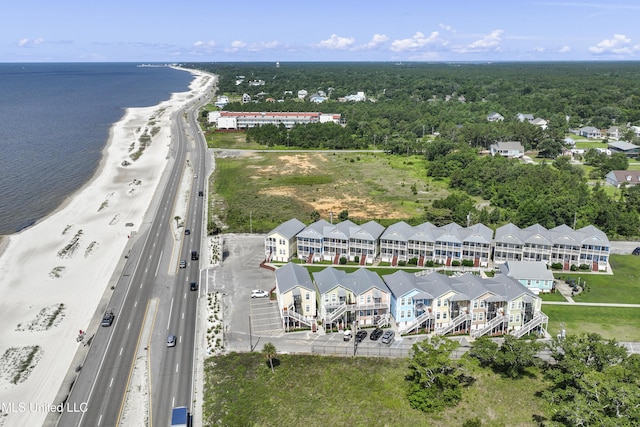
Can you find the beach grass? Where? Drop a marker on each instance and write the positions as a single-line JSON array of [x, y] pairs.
[[309, 390]]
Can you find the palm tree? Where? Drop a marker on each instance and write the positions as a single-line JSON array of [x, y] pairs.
[[269, 351]]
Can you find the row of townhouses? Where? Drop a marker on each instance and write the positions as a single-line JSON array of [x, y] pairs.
[[433, 302], [424, 243], [234, 120]]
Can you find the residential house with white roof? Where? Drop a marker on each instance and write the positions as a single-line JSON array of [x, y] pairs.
[[476, 244], [280, 244], [629, 149], [364, 242], [495, 117], [296, 296]]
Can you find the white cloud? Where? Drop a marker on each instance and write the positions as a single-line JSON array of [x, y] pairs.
[[30, 42], [491, 40], [201, 44], [417, 41], [337, 43], [447, 28], [564, 49], [619, 44], [376, 41]]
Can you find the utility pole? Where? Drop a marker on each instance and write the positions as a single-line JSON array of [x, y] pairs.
[[250, 222]]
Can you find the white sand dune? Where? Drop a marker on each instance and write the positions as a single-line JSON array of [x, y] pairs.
[[54, 274]]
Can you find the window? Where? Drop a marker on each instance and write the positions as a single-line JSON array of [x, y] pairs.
[[307, 309], [439, 302], [308, 296], [438, 315], [475, 303], [402, 314], [480, 316], [444, 315], [474, 317]]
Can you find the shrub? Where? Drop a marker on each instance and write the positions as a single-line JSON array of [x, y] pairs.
[[455, 263], [556, 266], [467, 263], [343, 260], [402, 263], [429, 263], [584, 267], [413, 261]]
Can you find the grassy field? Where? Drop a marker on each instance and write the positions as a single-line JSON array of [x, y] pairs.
[[619, 323], [312, 391], [259, 191]]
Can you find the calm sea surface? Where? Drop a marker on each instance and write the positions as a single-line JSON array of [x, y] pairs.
[[55, 121]]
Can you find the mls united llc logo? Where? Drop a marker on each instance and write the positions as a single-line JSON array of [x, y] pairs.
[[21, 407]]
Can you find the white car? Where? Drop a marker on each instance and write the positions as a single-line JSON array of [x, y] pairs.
[[259, 293]]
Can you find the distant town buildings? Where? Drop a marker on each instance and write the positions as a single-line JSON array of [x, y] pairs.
[[232, 120]]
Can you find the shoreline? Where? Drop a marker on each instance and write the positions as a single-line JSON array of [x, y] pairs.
[[54, 273]]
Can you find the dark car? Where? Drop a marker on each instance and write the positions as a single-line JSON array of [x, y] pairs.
[[377, 333], [107, 320], [636, 251], [360, 335], [200, 193], [187, 231], [193, 286]]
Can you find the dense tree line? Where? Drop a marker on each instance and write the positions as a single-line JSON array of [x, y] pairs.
[[418, 109], [593, 382]]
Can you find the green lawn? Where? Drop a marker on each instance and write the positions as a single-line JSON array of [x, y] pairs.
[[621, 287], [619, 323], [305, 390]]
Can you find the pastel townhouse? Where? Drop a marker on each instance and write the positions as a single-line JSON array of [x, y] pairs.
[[296, 297], [466, 304], [280, 244], [360, 297], [310, 241], [565, 247], [594, 248]]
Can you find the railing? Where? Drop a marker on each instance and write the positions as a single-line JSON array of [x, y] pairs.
[[491, 325], [336, 313], [415, 323], [454, 324], [539, 319], [383, 321], [297, 316]]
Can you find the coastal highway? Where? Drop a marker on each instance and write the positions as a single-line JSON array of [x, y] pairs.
[[151, 274]]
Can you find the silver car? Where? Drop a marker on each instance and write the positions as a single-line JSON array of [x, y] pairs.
[[387, 337], [171, 341]]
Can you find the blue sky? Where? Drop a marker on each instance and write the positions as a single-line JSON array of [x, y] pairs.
[[329, 30]]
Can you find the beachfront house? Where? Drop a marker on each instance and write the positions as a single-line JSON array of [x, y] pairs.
[[296, 296], [280, 244]]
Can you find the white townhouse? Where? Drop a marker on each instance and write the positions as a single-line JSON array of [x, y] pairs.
[[296, 296], [335, 240], [280, 244], [310, 241], [588, 246], [364, 242], [476, 244], [448, 244], [463, 304], [393, 242], [421, 243], [241, 120]]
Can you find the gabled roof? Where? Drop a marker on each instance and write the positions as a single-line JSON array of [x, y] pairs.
[[339, 231], [510, 233], [401, 283], [628, 176], [328, 279], [371, 228], [314, 231], [361, 280], [400, 231], [509, 145], [526, 270], [291, 275], [451, 232], [592, 235], [288, 229], [477, 233], [425, 232]]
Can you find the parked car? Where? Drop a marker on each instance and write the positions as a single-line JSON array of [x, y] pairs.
[[347, 335], [193, 286], [107, 319], [387, 337], [360, 335], [259, 293], [183, 264], [375, 334], [171, 341]]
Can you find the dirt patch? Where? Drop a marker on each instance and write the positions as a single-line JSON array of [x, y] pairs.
[[292, 164], [358, 207]]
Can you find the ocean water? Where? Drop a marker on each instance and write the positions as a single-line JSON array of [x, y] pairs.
[[55, 121]]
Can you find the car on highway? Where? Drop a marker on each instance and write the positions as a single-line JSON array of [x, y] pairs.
[[171, 341], [183, 264], [200, 193], [259, 293], [107, 319], [387, 337], [193, 286], [187, 232], [377, 333], [360, 335]]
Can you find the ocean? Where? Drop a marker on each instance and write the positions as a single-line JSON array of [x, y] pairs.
[[54, 123]]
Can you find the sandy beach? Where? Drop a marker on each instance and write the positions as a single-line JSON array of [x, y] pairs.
[[54, 274]]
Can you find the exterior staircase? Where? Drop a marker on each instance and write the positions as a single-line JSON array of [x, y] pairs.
[[417, 322], [336, 313], [453, 324], [538, 320], [298, 317], [490, 326]]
